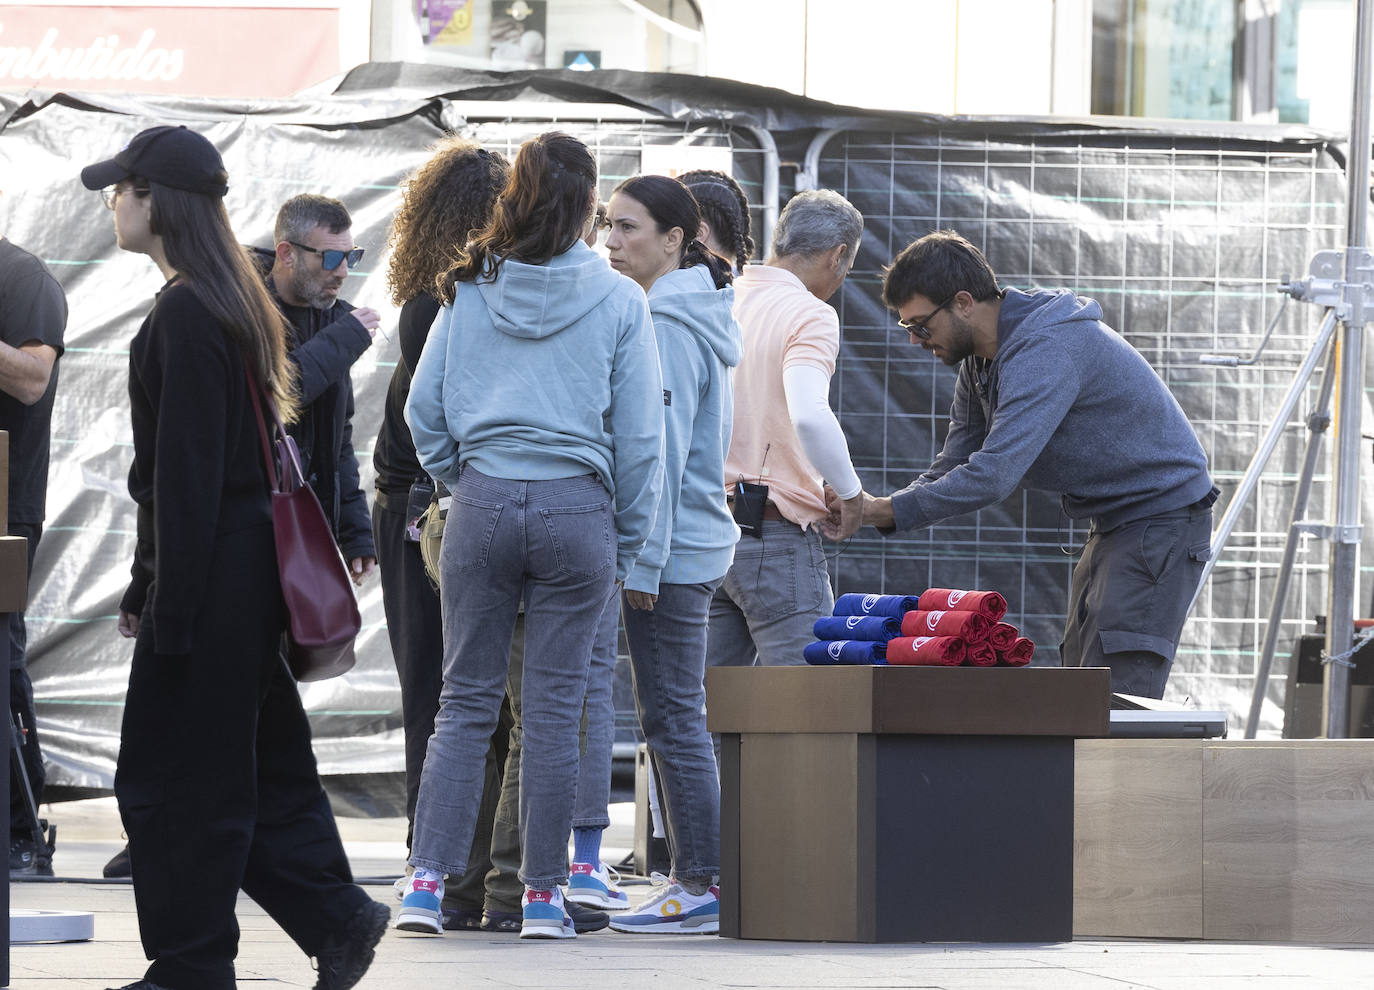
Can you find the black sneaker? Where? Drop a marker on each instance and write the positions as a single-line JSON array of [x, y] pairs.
[[23, 856], [347, 955], [119, 865], [585, 919], [29, 858], [141, 985]]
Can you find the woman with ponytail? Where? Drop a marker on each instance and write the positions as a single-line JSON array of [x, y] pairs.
[[654, 238], [724, 214], [537, 401], [216, 782]]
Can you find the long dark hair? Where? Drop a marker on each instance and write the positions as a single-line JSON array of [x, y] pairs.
[[200, 245], [447, 199], [725, 208], [540, 213], [671, 204]]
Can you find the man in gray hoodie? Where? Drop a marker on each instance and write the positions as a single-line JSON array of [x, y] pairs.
[[1050, 398]]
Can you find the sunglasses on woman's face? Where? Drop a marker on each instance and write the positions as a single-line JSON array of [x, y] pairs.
[[332, 259]]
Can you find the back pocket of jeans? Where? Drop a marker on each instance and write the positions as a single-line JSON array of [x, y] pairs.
[[468, 533], [581, 538]]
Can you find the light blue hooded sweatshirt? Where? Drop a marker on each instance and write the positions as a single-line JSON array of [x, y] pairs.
[[694, 536], [547, 371]]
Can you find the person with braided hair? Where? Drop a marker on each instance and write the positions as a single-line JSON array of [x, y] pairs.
[[724, 214]]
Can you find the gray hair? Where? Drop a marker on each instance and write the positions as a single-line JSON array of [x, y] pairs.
[[301, 214], [816, 221]]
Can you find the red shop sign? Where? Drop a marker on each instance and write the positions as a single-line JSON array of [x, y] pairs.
[[201, 51]]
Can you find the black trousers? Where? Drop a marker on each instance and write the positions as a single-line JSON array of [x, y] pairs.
[[218, 787], [415, 628], [21, 703]]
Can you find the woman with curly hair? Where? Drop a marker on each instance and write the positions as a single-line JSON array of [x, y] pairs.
[[724, 214], [445, 201]]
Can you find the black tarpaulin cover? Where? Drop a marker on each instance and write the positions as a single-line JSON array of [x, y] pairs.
[[1181, 231]]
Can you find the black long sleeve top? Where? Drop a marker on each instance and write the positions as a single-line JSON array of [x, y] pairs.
[[198, 469]]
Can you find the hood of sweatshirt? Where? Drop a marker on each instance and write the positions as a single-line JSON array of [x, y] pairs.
[[1022, 312], [535, 301], [689, 296]]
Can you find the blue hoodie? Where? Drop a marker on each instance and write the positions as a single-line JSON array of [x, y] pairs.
[[1066, 406], [694, 536], [547, 371]]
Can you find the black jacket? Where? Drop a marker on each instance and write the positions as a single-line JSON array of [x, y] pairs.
[[324, 346], [198, 470]]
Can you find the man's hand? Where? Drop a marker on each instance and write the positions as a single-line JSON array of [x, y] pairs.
[[128, 624], [641, 600], [844, 517], [360, 567], [878, 512], [369, 318]]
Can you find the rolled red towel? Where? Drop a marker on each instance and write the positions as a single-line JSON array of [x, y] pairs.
[[926, 651], [988, 603], [981, 655], [1003, 635], [971, 627], [1018, 655]]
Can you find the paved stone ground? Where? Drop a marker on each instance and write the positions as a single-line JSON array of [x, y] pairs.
[[89, 835]]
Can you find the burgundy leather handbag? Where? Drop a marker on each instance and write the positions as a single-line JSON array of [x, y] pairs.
[[314, 578]]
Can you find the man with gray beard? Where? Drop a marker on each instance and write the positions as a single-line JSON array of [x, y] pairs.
[[313, 254]]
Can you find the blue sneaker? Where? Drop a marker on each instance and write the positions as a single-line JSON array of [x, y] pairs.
[[675, 911], [420, 907], [544, 916], [592, 886]]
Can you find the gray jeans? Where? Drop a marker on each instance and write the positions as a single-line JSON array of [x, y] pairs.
[[555, 541], [668, 651], [763, 612], [1130, 595]]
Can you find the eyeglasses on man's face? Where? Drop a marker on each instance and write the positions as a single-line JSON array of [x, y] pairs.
[[333, 258], [110, 194], [918, 327]]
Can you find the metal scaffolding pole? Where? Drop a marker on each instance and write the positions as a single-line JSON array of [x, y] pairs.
[[1343, 582]]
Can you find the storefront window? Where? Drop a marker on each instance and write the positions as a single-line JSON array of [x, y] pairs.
[[1164, 58], [1313, 48], [646, 35]]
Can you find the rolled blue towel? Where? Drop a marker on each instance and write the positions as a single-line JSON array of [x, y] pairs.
[[845, 651], [875, 628], [893, 605]]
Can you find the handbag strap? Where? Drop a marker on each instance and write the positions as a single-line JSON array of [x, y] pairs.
[[256, 399], [292, 476]]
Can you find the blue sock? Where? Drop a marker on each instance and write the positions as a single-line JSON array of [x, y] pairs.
[[587, 846]]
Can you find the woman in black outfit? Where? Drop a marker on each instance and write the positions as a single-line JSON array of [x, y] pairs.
[[216, 781]]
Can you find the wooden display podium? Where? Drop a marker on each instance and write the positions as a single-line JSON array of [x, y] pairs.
[[14, 594], [892, 804]]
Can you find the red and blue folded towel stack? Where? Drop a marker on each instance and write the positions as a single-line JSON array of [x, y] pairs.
[[941, 627]]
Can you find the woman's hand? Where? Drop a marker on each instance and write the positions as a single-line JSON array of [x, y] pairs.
[[128, 624], [641, 600]]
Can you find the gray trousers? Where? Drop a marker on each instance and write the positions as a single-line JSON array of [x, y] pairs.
[[1130, 596]]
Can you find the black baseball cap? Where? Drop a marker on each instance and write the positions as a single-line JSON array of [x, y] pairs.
[[170, 156]]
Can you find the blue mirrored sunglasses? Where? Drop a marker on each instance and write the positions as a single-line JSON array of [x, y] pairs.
[[332, 259]]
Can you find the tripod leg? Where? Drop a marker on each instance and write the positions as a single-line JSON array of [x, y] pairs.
[[1317, 425], [41, 849], [1266, 449]]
